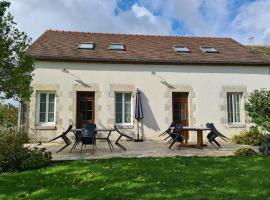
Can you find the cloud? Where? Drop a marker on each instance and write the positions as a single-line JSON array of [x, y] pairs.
[[36, 16], [226, 18], [253, 20], [199, 17]]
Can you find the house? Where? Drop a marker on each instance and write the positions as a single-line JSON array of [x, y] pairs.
[[92, 77]]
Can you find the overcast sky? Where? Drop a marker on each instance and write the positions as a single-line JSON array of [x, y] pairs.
[[239, 19]]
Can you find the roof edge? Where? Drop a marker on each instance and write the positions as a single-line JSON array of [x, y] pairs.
[[139, 35], [125, 61]]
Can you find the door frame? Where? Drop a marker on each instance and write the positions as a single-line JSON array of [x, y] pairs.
[[77, 105], [187, 103], [185, 133]]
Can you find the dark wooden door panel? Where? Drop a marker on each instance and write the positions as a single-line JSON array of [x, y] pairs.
[[85, 108], [180, 110]]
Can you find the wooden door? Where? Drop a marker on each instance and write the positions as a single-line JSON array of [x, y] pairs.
[[180, 110], [85, 108]]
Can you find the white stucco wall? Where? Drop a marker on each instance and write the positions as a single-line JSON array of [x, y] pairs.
[[207, 86]]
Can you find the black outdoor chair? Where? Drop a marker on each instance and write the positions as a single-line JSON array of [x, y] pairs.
[[77, 135], [176, 135], [107, 139], [64, 137], [120, 136], [88, 136], [214, 133], [168, 131]]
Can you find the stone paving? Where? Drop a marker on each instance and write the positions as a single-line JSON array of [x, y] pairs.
[[137, 149]]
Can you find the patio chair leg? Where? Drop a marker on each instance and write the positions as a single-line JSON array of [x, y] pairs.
[[73, 147], [121, 146], [164, 133], [62, 148], [108, 141], [55, 138], [180, 145], [170, 141], [175, 139], [93, 150], [111, 144], [214, 145], [81, 148], [167, 137]]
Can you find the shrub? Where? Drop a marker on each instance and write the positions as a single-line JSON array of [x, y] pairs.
[[24, 137], [245, 152], [35, 159], [265, 147], [15, 157], [258, 108], [249, 137]]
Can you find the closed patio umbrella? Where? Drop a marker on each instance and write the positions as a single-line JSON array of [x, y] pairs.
[[138, 112]]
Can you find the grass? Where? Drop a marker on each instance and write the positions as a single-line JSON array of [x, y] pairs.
[[144, 178]]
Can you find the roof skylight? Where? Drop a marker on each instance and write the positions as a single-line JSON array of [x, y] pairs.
[[86, 45], [118, 47], [209, 49], [181, 49]]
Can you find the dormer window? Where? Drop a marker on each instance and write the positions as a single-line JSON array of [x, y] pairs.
[[117, 47], [87, 45], [181, 49], [209, 49]]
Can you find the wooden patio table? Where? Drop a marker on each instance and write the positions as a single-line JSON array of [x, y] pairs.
[[199, 130]]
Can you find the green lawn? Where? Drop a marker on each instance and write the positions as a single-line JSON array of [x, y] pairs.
[[144, 178]]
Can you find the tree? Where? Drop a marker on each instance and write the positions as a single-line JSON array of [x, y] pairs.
[[258, 108], [15, 65], [8, 115]]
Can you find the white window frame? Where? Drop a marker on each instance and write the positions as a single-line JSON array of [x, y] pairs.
[[123, 109], [241, 111], [181, 49], [117, 47], [208, 49], [87, 45], [46, 123]]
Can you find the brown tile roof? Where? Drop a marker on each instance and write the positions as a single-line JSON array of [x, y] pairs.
[[261, 50], [63, 46]]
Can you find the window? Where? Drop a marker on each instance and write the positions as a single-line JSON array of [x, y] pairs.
[[46, 108], [234, 105], [123, 108], [118, 47], [86, 45], [209, 50], [181, 49]]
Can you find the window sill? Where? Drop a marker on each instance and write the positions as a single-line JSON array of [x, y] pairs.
[[45, 127], [124, 126], [236, 126]]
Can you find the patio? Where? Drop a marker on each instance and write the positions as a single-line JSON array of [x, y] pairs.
[[137, 149]]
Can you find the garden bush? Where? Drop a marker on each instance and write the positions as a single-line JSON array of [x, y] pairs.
[[35, 158], [245, 152], [265, 147], [249, 137], [258, 108], [15, 157]]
